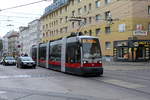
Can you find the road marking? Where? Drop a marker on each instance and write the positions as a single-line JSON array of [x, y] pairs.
[[15, 76], [123, 83]]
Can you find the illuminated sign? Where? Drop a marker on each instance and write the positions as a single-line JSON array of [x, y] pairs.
[[88, 41]]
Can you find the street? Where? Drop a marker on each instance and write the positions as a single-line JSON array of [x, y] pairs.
[[117, 83]]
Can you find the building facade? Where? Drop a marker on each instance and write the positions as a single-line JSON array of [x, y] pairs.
[[13, 42], [113, 21], [5, 44], [29, 36]]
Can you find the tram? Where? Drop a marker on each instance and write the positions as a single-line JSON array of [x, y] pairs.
[[79, 55]]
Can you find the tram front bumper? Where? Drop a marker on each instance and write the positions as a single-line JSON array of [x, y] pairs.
[[92, 70]]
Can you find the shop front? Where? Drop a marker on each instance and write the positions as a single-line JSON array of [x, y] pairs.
[[132, 50]]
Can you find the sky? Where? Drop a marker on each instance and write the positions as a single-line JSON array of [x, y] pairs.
[[12, 19]]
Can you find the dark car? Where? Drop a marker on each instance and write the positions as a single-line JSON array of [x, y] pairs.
[[25, 62], [8, 60]]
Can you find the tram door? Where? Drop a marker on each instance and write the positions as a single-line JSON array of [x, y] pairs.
[[63, 55]]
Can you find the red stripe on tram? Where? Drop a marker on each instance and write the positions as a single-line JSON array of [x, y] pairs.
[[42, 61], [58, 63], [92, 65], [74, 65]]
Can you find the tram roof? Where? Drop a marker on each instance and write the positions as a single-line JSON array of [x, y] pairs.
[[86, 36]]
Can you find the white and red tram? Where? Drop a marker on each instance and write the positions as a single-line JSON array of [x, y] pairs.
[[73, 54]]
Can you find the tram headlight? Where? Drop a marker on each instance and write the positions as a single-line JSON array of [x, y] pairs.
[[99, 61], [84, 61]]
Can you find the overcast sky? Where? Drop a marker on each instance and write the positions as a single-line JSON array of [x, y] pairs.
[[19, 16]]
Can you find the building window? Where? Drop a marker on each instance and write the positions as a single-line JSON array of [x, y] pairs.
[[79, 11], [43, 27], [90, 6], [66, 18], [73, 13], [90, 32], [72, 2], [73, 24], [108, 45], [60, 11], [85, 8], [98, 30], [122, 28], [61, 20], [149, 27], [107, 30], [66, 8], [79, 23], [107, 1], [97, 3], [149, 10], [85, 21], [98, 17], [79, 1], [90, 20], [107, 15], [85, 32], [46, 25]]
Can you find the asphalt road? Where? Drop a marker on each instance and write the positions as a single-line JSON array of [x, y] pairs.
[[117, 83]]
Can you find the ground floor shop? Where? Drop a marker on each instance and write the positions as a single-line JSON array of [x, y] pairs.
[[131, 50]]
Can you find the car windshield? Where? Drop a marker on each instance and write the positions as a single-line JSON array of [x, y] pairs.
[[9, 58], [26, 59]]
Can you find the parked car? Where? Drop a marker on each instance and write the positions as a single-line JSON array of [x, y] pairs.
[[8, 60], [25, 62], [1, 61]]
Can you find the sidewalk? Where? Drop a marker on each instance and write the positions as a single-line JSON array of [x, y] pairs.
[[111, 65]]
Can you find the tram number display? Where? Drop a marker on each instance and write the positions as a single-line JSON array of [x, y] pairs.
[[88, 41]]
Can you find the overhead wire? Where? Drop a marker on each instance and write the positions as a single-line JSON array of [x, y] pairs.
[[22, 5]]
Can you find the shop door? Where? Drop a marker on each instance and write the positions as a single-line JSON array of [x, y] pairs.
[[140, 52]]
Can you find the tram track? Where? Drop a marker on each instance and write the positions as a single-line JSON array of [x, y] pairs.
[[118, 86]]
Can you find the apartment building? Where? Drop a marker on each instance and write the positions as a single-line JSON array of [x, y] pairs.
[[123, 26], [29, 35]]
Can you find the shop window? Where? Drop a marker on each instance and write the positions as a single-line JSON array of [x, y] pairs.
[[108, 45]]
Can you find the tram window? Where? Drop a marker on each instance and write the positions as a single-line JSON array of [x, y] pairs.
[[55, 52], [73, 54], [42, 53]]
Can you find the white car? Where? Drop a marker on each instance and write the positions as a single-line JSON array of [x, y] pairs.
[[8, 60]]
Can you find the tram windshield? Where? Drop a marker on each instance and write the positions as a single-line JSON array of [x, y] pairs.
[[91, 48]]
